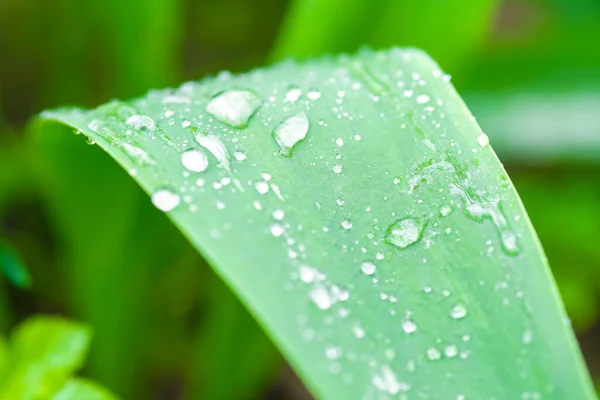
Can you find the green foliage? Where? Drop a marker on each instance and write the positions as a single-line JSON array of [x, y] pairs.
[[44, 352], [390, 234]]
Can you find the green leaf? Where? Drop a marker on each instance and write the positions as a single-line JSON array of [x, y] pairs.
[[389, 252], [80, 389], [344, 26], [44, 352]]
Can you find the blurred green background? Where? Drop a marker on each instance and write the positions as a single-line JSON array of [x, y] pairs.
[[164, 326]]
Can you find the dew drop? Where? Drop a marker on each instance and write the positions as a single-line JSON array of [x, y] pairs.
[[165, 200], [450, 351], [234, 107], [276, 230], [95, 125], [293, 93], [313, 94], [333, 352], [458, 311], [433, 353], [408, 325], [339, 142], [483, 140], [404, 232], [278, 214], [194, 160], [320, 297], [290, 131], [527, 336], [422, 99], [368, 268], [139, 122], [337, 168], [262, 187], [239, 155], [387, 381], [216, 147], [346, 224], [358, 331]]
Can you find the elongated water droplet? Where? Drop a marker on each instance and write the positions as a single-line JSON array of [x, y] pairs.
[[458, 311], [139, 122], [387, 381], [234, 107], [216, 147], [291, 131], [321, 297], [165, 200], [404, 232], [194, 160]]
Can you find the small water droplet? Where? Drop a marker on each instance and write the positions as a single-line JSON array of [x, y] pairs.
[[346, 224], [320, 297], [333, 352], [239, 155], [483, 140], [458, 311], [433, 353], [194, 160], [408, 325], [404, 232], [95, 125], [337, 168], [450, 351], [387, 381], [445, 211], [165, 200], [277, 230], [234, 107], [313, 94], [293, 93], [291, 131], [262, 187], [422, 99], [139, 122], [358, 331], [278, 214], [527, 336], [368, 268], [339, 142]]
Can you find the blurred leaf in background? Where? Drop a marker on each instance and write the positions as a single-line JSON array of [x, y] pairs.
[[43, 353]]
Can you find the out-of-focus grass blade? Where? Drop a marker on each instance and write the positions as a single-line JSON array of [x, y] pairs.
[[80, 389], [13, 266], [44, 352], [332, 26], [362, 218]]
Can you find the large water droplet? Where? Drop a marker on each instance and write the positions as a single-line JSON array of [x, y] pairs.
[[234, 107], [404, 232], [291, 131], [139, 122], [165, 200], [194, 160]]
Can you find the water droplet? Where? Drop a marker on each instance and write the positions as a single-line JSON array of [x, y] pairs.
[[450, 351], [445, 211], [95, 125], [293, 93], [483, 140], [313, 94], [358, 331], [239, 155], [216, 148], [194, 160], [387, 381], [320, 297], [262, 187], [422, 99], [139, 122], [337, 168], [291, 131], [339, 142], [433, 353], [408, 325], [346, 224], [404, 232], [234, 107], [278, 214], [276, 230], [368, 268], [458, 311], [527, 336], [333, 352], [165, 200]]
